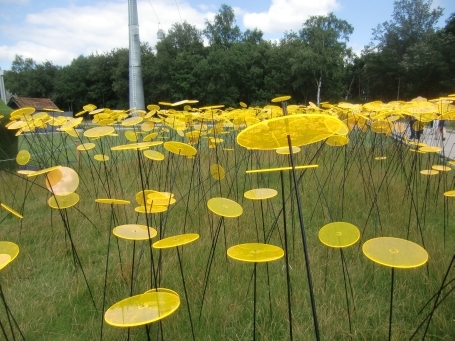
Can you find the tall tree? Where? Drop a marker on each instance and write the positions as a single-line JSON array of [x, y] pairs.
[[324, 49], [223, 32]]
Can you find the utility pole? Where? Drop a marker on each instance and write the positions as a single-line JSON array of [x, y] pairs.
[[135, 67], [2, 87]]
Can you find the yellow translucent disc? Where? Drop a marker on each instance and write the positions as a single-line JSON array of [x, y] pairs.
[[452, 163], [43, 171], [130, 136], [17, 125], [132, 121], [429, 172], [23, 157], [450, 193], [72, 132], [337, 141], [62, 181], [395, 252], [279, 169], [10, 210], [161, 202], [99, 131], [142, 309], [379, 158], [285, 150], [418, 144], [281, 99], [147, 126], [22, 112], [154, 155], [151, 209], [134, 232], [260, 193], [86, 146], [138, 145], [111, 201], [225, 207], [255, 252], [25, 172], [430, 149], [217, 172], [101, 157], [303, 129], [163, 290], [243, 105], [339, 234], [60, 202], [441, 168], [8, 252], [150, 137], [70, 124], [174, 241], [180, 148]]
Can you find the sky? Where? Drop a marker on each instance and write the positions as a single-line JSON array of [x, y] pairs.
[[61, 30]]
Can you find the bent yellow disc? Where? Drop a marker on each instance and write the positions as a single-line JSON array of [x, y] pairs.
[[174, 241], [8, 252]]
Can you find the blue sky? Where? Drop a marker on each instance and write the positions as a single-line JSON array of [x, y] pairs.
[[59, 31]]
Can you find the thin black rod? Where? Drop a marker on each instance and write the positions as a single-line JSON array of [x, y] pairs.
[[186, 293], [254, 303], [391, 303]]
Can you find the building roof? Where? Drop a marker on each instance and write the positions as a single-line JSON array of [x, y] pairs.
[[38, 103]]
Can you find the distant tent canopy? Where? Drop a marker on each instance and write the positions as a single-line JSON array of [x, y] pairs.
[[38, 103]]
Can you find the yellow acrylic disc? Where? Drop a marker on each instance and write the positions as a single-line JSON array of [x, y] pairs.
[[430, 149], [380, 158], [255, 252], [150, 137], [23, 157], [8, 252], [99, 131], [395, 252], [62, 181], [303, 129], [147, 126], [429, 172], [151, 209], [25, 172], [225, 207], [217, 172], [111, 201], [86, 146], [339, 234], [163, 290], [130, 136], [243, 105], [60, 202], [265, 170], [441, 168], [10, 210], [260, 193], [281, 99], [17, 125], [43, 171], [174, 241], [452, 163], [450, 193], [101, 157], [285, 150], [136, 146], [22, 112], [154, 155], [142, 309], [418, 144], [180, 148], [337, 140], [134, 232], [132, 121]]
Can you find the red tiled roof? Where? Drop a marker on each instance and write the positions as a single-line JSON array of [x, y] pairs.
[[37, 103]]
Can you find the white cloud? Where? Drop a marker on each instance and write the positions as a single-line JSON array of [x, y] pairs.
[[61, 34], [286, 15]]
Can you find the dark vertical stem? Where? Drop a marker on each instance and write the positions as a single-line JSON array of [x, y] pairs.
[[346, 290], [186, 294], [391, 302], [254, 303]]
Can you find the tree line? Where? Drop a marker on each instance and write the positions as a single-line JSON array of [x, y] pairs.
[[408, 56]]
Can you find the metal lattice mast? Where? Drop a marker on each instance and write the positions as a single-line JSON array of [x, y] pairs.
[[135, 67]]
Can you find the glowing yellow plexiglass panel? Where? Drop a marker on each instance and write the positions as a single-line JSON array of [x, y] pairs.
[[337, 141], [99, 131], [86, 146], [23, 157], [225, 207], [429, 172], [449, 193], [138, 145], [101, 157], [217, 172], [132, 121], [10, 210], [8, 252], [255, 252], [174, 241], [151, 209], [43, 171], [279, 169], [339, 234], [134, 232], [303, 129], [430, 149], [180, 148], [285, 150], [154, 155], [441, 168], [110, 201], [395, 252], [60, 202], [142, 309], [62, 181], [260, 193]]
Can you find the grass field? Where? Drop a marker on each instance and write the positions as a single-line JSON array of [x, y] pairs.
[[55, 288]]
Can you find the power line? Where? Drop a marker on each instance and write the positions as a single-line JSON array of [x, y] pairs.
[[178, 11]]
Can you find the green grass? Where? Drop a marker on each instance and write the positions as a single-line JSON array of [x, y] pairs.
[[49, 298]]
